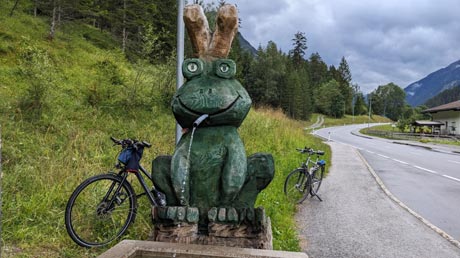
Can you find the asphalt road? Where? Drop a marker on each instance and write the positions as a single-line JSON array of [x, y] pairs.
[[356, 219], [426, 181]]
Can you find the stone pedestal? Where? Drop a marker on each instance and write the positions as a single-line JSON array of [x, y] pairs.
[[226, 227]]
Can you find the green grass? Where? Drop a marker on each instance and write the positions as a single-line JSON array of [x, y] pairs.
[[385, 128], [62, 99], [348, 119]]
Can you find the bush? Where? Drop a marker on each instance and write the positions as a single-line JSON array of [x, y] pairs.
[[38, 71]]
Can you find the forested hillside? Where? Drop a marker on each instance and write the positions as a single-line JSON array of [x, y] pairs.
[[444, 97], [145, 30]]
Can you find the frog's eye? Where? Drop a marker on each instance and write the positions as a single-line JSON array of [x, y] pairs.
[[192, 67], [225, 68]]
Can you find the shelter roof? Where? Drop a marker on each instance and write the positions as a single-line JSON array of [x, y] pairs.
[[446, 107], [427, 123]]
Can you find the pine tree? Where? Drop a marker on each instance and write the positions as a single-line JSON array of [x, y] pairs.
[[317, 70], [267, 75], [300, 47], [344, 80]]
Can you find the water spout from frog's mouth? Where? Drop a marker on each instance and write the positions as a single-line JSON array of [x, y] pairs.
[[199, 120]]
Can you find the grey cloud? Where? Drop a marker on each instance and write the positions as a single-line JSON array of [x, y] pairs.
[[383, 41]]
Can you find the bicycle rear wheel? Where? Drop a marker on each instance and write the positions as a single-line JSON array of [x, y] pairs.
[[100, 210], [297, 185], [317, 178]]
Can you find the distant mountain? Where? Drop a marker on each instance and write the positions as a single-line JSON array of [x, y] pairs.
[[246, 45], [419, 92]]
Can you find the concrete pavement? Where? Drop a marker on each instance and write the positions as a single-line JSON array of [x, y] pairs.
[[358, 219]]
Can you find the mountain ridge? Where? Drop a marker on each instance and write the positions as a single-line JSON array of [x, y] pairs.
[[417, 93], [246, 45]]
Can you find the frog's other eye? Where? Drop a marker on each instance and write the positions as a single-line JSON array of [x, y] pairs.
[[225, 68], [192, 67]]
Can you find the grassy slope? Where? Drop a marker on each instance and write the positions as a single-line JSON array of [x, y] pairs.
[[46, 156], [329, 121]]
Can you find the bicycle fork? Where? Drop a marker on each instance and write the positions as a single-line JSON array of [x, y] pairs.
[[312, 189]]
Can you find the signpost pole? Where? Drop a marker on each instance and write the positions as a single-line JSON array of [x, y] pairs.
[[180, 55]]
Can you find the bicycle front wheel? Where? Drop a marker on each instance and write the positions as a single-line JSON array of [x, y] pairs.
[[317, 178], [100, 210], [297, 185]]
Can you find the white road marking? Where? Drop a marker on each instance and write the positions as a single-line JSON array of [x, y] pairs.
[[427, 170], [453, 161], [383, 156], [453, 178], [370, 151], [400, 161]]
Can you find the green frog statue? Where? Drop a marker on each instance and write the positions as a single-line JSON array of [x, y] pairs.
[[209, 180]]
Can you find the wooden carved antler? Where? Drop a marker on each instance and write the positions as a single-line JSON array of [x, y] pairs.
[[197, 26]]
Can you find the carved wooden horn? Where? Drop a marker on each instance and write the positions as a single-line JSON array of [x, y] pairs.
[[226, 28], [198, 29]]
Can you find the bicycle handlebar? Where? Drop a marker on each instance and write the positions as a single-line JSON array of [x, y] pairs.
[[128, 142], [310, 151]]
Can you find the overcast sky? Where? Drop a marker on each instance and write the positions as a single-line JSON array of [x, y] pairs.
[[383, 41]]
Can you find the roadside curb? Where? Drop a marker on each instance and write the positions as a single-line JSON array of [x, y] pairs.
[[453, 152], [410, 144], [321, 137], [397, 201], [415, 145]]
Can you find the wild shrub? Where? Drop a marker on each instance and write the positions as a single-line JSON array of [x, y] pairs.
[[37, 69], [102, 91]]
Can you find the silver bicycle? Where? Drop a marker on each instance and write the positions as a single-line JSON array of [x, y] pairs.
[[306, 179]]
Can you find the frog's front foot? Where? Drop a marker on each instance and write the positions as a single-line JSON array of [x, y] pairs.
[[223, 215], [229, 215], [235, 223], [175, 214]]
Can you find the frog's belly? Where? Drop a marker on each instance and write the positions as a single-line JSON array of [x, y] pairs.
[[206, 175]]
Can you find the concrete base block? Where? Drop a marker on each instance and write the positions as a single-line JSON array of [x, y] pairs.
[[150, 249]]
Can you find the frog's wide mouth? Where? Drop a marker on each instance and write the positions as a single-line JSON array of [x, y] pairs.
[[200, 105]]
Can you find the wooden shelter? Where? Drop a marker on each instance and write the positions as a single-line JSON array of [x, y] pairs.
[[448, 115], [435, 126]]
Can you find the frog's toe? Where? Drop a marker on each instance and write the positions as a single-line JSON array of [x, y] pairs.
[[223, 215], [177, 214]]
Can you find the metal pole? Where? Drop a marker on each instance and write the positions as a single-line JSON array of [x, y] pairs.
[[180, 55], [370, 108], [353, 107]]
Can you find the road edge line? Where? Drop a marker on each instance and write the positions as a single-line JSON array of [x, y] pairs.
[[412, 212]]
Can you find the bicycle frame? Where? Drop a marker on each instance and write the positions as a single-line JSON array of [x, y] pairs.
[[124, 174], [310, 170], [308, 161]]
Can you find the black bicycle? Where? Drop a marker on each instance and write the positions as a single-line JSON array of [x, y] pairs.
[[306, 179], [102, 207]]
